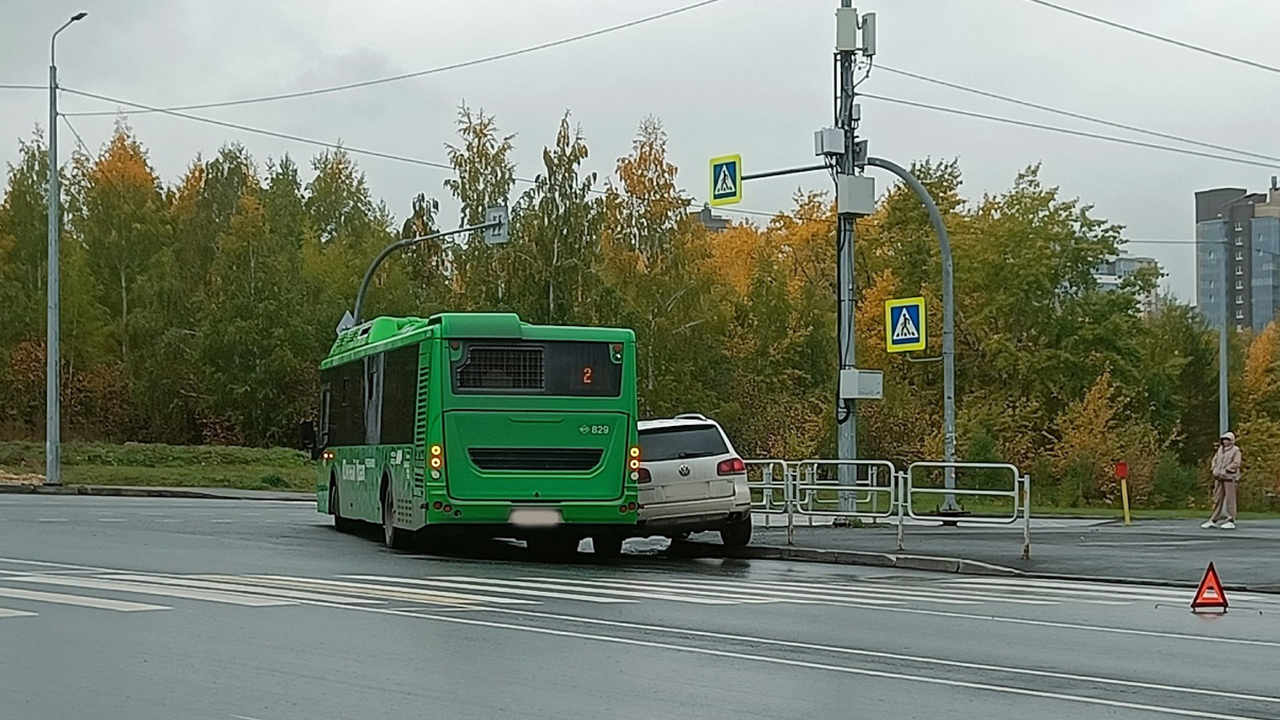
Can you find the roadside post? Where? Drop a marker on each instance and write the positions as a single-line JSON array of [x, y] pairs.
[[844, 157], [1122, 472]]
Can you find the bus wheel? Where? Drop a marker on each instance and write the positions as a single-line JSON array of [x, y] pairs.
[[607, 545], [394, 537], [553, 548], [340, 523]]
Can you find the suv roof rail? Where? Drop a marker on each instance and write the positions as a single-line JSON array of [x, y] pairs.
[[692, 416]]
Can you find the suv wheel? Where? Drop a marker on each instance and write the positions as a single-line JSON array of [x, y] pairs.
[[607, 545], [737, 533]]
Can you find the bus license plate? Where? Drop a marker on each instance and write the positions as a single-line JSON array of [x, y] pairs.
[[535, 517]]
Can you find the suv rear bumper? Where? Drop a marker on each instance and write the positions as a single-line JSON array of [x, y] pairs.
[[691, 516]]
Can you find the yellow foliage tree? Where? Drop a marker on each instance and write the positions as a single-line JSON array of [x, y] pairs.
[[1261, 376]]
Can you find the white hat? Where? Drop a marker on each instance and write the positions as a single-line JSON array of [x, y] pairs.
[[1228, 436]]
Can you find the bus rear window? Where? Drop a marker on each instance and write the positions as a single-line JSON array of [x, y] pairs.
[[579, 369]]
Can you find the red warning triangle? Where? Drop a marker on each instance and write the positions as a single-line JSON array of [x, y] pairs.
[[1210, 593]]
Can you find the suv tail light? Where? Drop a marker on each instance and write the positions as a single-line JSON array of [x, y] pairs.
[[732, 466], [643, 476]]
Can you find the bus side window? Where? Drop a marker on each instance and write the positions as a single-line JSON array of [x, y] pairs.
[[325, 418]]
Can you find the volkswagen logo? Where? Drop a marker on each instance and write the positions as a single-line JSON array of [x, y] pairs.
[[684, 471]]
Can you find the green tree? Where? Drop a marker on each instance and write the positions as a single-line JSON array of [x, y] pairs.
[[551, 265], [258, 360], [658, 280], [484, 176], [118, 211]]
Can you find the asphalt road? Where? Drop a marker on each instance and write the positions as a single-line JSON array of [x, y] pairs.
[[142, 609]]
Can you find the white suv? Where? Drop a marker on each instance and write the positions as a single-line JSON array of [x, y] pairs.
[[692, 480]]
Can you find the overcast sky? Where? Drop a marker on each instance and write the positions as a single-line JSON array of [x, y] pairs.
[[738, 76]]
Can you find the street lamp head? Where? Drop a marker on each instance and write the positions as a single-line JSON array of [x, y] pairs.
[[79, 16]]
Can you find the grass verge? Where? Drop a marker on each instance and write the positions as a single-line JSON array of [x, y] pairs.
[[156, 465]]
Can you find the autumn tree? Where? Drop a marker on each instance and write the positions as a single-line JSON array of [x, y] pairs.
[[483, 177]]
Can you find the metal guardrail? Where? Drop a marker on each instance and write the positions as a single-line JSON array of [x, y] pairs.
[[813, 488]]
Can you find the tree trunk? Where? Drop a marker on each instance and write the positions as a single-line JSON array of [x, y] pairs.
[[124, 318]]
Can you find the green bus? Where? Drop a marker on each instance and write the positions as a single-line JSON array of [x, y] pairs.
[[480, 423]]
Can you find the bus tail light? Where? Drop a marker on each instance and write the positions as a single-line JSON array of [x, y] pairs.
[[732, 466], [634, 462], [437, 505], [437, 457], [326, 455], [631, 507]]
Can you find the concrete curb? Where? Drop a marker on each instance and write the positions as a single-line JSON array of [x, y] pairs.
[[156, 492]]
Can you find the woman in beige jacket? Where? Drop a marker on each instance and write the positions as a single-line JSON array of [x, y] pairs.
[[1226, 473]]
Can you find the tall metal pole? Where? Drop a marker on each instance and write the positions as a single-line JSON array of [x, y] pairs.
[[1223, 414], [948, 324], [52, 398], [846, 410]]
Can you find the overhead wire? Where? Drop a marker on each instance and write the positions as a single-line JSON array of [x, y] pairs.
[[1076, 115], [429, 71], [1069, 131], [335, 145], [18, 86], [1158, 37]]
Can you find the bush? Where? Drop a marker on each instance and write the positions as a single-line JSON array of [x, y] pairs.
[[1177, 485]]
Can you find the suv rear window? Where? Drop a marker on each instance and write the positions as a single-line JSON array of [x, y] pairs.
[[676, 443]]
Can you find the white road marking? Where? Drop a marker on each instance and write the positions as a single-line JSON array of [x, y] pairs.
[[663, 591], [52, 520], [393, 593], [1070, 587], [852, 595], [927, 593], [141, 589], [112, 520], [864, 672], [222, 521], [232, 586], [6, 612], [602, 588], [79, 600], [41, 563], [466, 583]]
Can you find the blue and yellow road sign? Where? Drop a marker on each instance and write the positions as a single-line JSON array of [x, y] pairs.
[[726, 180], [904, 324]]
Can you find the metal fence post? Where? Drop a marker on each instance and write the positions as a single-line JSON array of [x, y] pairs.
[[789, 494], [898, 498], [1026, 517]]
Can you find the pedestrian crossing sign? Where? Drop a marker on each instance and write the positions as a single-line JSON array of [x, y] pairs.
[[726, 180], [904, 324]]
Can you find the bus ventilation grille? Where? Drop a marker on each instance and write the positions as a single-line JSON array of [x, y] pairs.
[[505, 368], [535, 458]]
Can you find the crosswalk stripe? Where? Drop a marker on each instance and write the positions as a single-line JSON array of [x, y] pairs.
[[141, 589], [80, 600], [829, 594], [511, 587], [6, 612], [232, 586], [1087, 590], [445, 597], [742, 596], [609, 588], [935, 594]]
